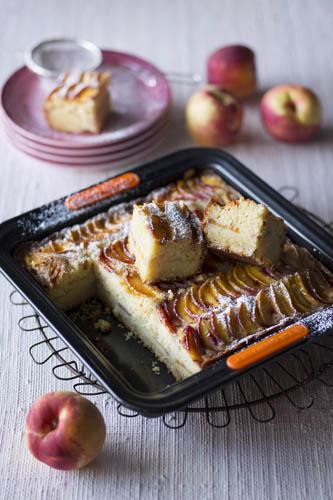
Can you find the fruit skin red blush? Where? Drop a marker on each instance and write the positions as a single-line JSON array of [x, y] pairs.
[[52, 57]]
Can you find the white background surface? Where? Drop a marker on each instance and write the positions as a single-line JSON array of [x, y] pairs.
[[289, 458]]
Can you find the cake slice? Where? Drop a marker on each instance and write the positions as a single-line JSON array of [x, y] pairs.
[[79, 103], [166, 240], [244, 230]]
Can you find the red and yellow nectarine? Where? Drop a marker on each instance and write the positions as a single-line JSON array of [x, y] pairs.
[[291, 113], [213, 116], [233, 68], [64, 430]]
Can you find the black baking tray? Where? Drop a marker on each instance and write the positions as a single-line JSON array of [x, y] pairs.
[[126, 371]]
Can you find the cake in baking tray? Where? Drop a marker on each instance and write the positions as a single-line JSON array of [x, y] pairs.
[[80, 102], [188, 322]]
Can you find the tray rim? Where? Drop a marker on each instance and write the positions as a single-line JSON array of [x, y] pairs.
[[181, 393]]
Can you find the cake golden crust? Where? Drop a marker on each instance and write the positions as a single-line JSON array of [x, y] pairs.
[[190, 322]]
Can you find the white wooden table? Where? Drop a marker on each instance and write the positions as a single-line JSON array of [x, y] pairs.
[[289, 458]]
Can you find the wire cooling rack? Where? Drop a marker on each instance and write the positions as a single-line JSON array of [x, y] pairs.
[[291, 377]]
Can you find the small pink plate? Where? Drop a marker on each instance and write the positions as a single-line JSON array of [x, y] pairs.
[[140, 96], [12, 134], [127, 153], [116, 163]]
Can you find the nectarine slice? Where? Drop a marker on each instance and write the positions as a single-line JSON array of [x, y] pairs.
[[258, 275], [219, 327], [137, 287], [207, 336]]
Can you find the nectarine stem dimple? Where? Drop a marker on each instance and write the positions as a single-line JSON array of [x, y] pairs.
[[54, 423], [290, 106]]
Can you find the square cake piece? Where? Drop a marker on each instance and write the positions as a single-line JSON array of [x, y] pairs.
[[166, 240], [79, 103], [245, 230]]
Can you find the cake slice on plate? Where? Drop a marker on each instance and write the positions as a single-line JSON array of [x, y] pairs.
[[79, 103]]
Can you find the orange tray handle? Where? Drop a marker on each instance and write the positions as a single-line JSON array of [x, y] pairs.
[[101, 191], [267, 347]]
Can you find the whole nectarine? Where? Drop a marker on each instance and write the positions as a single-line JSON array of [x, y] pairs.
[[213, 116], [291, 113], [233, 68], [64, 430]]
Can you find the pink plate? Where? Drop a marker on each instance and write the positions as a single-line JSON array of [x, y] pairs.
[[115, 148], [12, 130], [124, 161], [140, 97], [93, 160]]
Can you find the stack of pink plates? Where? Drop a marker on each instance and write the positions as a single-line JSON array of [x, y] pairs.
[[138, 123]]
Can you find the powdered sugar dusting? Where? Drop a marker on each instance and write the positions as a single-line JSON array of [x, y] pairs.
[[49, 216], [42, 219], [156, 368], [178, 220], [320, 321], [183, 224]]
